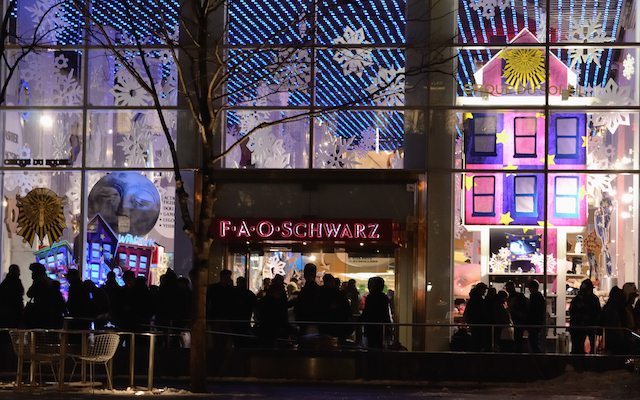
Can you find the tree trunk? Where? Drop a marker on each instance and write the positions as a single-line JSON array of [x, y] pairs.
[[198, 351]]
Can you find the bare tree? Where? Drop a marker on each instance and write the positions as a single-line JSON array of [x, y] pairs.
[[157, 50]]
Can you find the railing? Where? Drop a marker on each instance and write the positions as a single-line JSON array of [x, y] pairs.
[[225, 332]]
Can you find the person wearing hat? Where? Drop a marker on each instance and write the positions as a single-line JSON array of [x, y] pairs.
[[584, 314], [40, 311]]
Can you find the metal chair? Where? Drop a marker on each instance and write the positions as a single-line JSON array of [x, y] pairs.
[[100, 351], [36, 347]]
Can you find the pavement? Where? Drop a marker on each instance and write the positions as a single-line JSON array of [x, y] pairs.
[[571, 385]]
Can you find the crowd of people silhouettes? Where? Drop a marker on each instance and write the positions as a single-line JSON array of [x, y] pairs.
[[318, 311], [497, 320]]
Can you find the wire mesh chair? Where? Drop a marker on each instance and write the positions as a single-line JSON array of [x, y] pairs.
[[36, 348], [100, 351]]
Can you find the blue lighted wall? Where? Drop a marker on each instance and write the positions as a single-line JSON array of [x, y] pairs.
[[267, 22]]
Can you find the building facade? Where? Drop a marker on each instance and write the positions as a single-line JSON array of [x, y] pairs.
[[434, 145]]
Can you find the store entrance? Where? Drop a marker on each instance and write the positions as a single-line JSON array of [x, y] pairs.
[[344, 265]]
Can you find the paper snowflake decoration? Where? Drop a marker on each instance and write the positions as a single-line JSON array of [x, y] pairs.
[[366, 143], [599, 153], [458, 229], [279, 158], [136, 144], [49, 16], [499, 262], [275, 266], [489, 6], [335, 152], [66, 90], [293, 69], [612, 95], [128, 92], [262, 145], [26, 182], [388, 87], [590, 31], [524, 67], [629, 67], [354, 59], [538, 260], [250, 119], [597, 184]]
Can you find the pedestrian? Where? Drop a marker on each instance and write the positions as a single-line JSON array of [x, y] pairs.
[[536, 316], [376, 309], [584, 314]]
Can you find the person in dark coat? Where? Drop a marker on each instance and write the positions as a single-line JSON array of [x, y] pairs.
[[584, 313], [517, 303], [272, 316], [244, 310], [100, 306], [376, 309], [536, 315], [333, 306], [11, 298], [612, 319], [504, 329], [305, 307], [79, 304], [41, 313], [476, 313], [221, 308]]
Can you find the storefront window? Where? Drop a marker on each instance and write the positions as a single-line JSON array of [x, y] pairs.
[[567, 135], [314, 71]]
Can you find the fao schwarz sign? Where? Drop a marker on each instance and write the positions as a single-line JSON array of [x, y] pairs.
[[341, 230]]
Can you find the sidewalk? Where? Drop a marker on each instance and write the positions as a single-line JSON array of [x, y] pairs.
[[570, 385]]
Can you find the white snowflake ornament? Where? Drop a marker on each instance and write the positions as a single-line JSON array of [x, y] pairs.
[[489, 6], [628, 65], [128, 92], [293, 69], [336, 153], [612, 95], [354, 59], [387, 88], [590, 31], [136, 144]]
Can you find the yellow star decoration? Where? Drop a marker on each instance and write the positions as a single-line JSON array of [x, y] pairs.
[[539, 115], [551, 158], [102, 236], [510, 167], [506, 219], [583, 192], [502, 137], [468, 116], [523, 67], [584, 142], [468, 181], [525, 230], [541, 223]]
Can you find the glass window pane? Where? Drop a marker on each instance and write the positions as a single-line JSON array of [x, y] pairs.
[[484, 144], [525, 185], [566, 205], [483, 204], [525, 204], [567, 186]]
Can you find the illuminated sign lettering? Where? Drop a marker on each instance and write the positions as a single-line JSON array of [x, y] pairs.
[[130, 239], [235, 229]]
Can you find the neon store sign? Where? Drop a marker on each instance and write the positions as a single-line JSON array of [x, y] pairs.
[[233, 229]]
